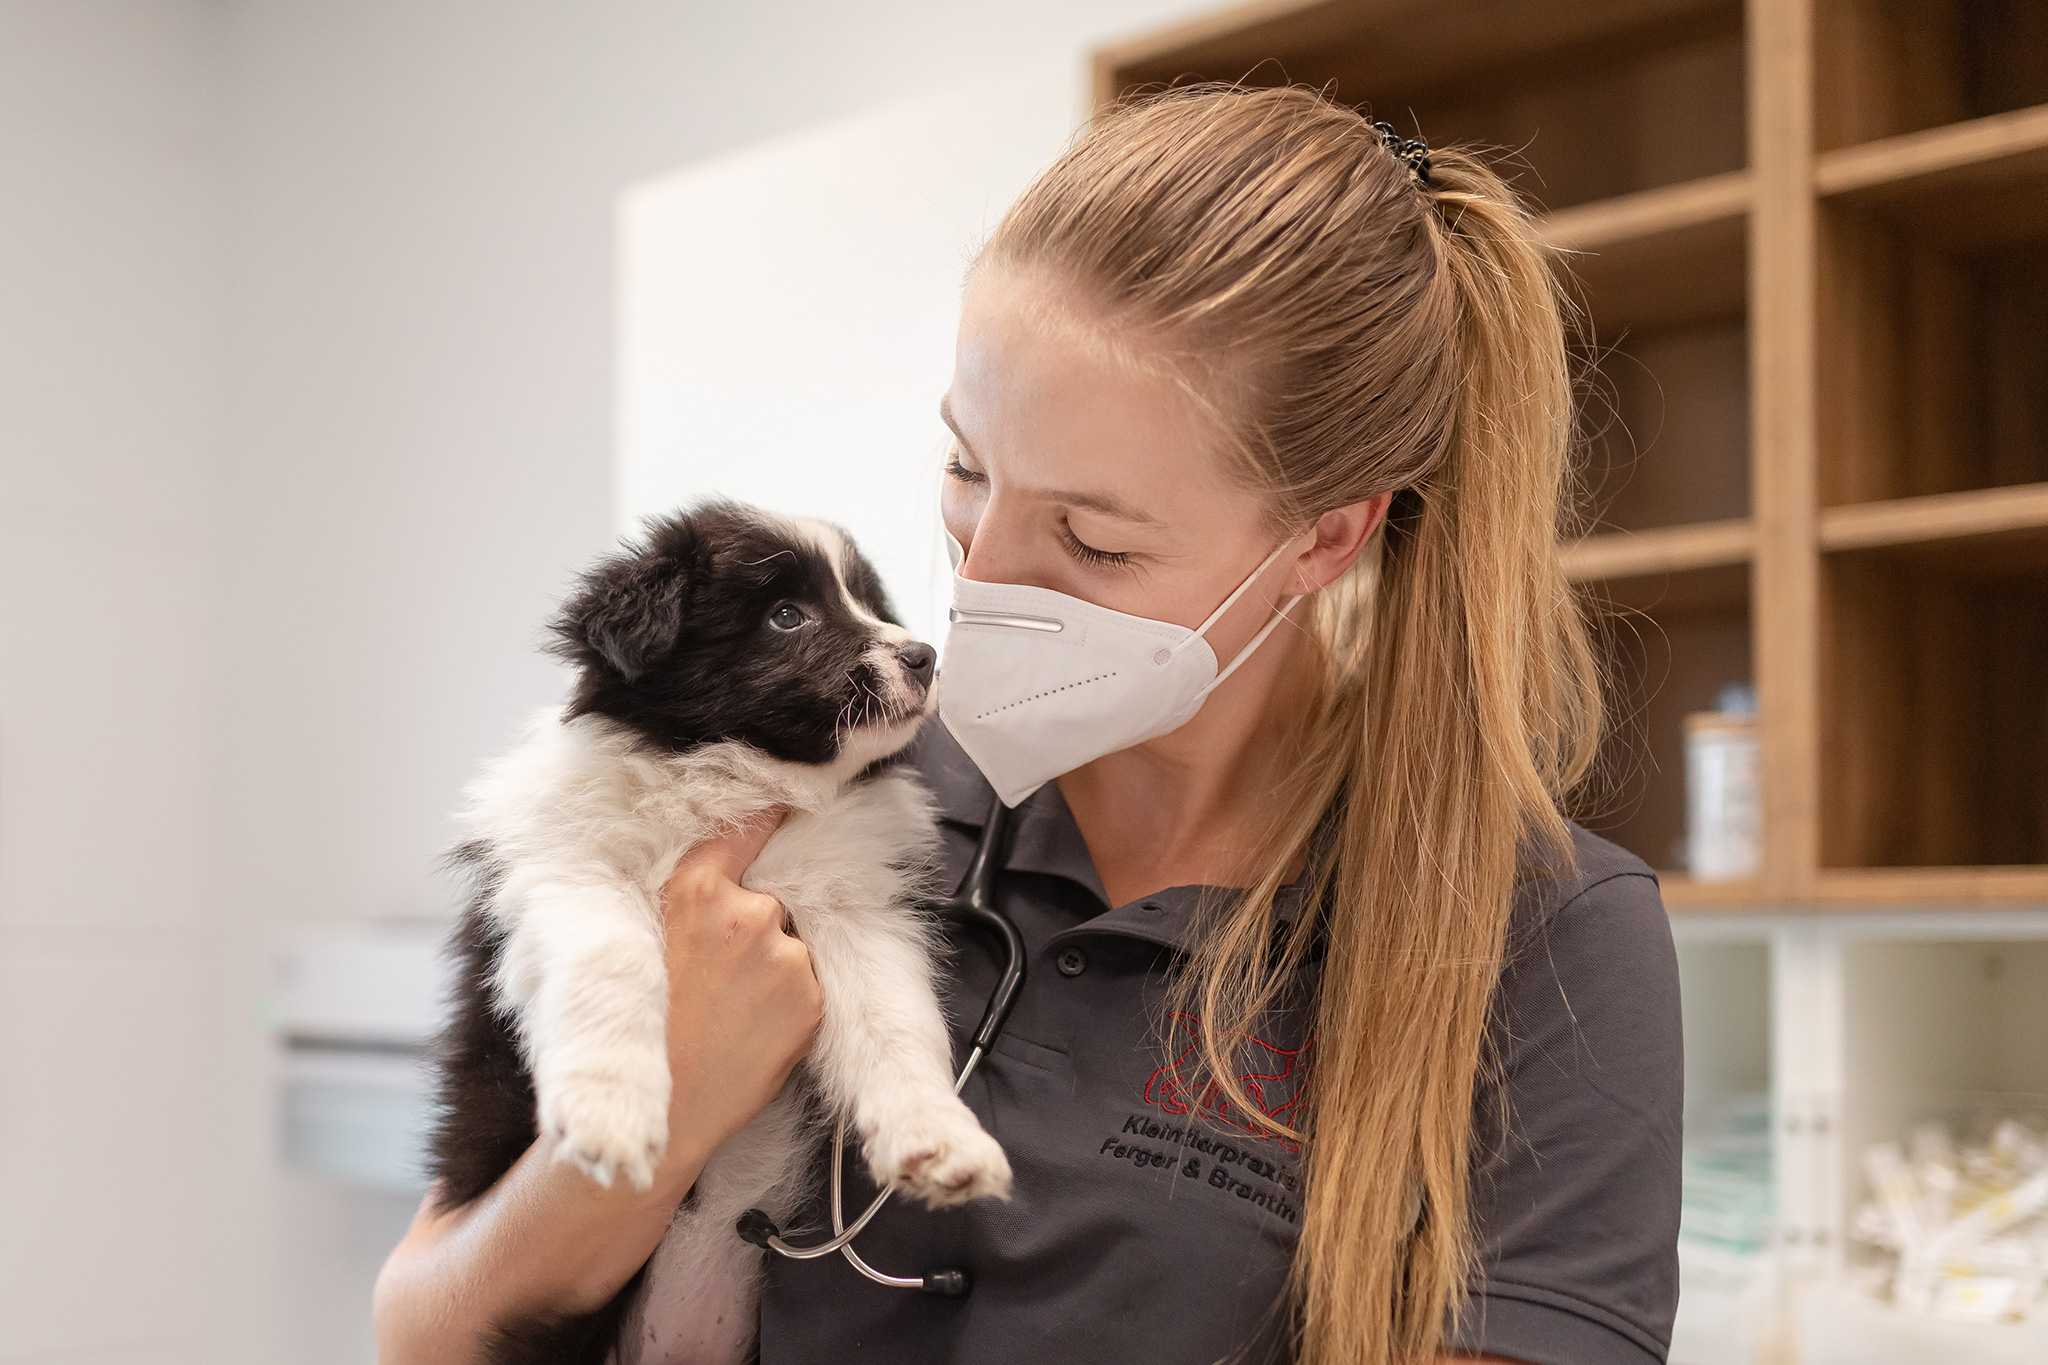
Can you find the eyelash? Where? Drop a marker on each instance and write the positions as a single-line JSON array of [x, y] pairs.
[[1078, 548], [1088, 554]]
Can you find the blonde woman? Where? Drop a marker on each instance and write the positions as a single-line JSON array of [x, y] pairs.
[[1340, 1043]]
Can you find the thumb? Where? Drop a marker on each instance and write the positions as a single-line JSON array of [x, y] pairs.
[[733, 849]]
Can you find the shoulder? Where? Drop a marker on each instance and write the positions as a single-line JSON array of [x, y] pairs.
[[1577, 1199], [1604, 878], [1591, 968], [1599, 927]]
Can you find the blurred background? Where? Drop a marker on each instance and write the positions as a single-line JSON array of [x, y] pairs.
[[336, 335]]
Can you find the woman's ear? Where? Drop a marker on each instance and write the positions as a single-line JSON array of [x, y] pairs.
[[1340, 536]]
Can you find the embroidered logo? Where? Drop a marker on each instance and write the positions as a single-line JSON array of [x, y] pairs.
[[1277, 1082]]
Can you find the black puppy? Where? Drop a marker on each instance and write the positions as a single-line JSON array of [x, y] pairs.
[[731, 662]]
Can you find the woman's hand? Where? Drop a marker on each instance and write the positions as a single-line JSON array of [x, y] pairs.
[[744, 1006], [744, 1003]]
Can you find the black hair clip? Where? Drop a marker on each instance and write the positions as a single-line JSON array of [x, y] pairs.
[[1411, 150]]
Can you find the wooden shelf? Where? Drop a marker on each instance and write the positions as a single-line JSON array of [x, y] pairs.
[[1971, 888], [2001, 147], [1666, 549], [1810, 242], [1716, 200], [1854, 889], [1682, 894], [1938, 516], [1415, 45]]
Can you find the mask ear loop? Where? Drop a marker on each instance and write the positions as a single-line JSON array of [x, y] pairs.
[[1281, 615], [1240, 591], [1257, 640]]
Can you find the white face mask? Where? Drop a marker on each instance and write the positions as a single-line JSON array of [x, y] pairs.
[[1035, 683]]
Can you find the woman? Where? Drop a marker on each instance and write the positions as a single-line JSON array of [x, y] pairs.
[[1339, 1041]]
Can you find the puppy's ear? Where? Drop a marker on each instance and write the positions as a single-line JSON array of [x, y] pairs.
[[626, 614]]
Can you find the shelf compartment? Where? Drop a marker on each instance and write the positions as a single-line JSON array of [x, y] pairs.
[[1600, 98], [1982, 155], [1630, 555], [1933, 376], [1729, 1200], [1663, 352], [1940, 1031], [1668, 643], [1887, 67], [1664, 413], [1660, 257], [1934, 710]]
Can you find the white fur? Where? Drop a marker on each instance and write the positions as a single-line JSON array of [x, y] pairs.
[[589, 823]]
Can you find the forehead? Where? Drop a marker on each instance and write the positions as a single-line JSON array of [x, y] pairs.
[[1043, 389], [764, 550]]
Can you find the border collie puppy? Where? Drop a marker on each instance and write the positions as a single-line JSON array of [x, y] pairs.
[[730, 662]]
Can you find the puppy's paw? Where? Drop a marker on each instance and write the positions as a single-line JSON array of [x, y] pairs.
[[607, 1126], [941, 1156]]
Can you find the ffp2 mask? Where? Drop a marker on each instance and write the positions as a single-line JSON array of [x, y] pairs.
[[1034, 683]]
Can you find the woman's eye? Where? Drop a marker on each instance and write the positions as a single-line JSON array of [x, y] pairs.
[[788, 616], [1087, 553], [955, 469]]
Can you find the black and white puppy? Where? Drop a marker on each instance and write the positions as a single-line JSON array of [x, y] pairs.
[[732, 661]]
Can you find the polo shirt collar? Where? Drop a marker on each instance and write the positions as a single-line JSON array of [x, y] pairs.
[[1044, 839]]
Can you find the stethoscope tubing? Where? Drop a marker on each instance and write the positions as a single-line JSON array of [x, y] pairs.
[[973, 903]]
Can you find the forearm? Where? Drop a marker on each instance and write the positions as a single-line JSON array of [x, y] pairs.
[[544, 1240]]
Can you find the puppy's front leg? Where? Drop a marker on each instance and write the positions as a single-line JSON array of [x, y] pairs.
[[584, 967], [883, 1057]]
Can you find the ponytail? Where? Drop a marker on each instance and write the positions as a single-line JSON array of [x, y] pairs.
[[1475, 710]]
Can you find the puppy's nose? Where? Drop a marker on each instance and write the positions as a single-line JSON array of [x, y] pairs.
[[917, 659]]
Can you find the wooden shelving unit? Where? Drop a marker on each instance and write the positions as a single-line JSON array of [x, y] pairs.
[[1810, 240]]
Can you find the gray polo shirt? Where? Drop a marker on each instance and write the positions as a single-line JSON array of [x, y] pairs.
[[1148, 1225]]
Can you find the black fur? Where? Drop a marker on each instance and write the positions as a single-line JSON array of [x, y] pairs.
[[673, 638]]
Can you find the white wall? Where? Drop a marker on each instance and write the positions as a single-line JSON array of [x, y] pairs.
[[111, 153], [763, 359], [306, 393], [417, 452]]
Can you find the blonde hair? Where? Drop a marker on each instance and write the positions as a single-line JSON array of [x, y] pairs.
[[1357, 332]]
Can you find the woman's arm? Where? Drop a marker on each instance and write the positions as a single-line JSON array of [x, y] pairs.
[[546, 1240]]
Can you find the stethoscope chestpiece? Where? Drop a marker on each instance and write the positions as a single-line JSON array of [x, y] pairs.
[[756, 1227], [947, 1284]]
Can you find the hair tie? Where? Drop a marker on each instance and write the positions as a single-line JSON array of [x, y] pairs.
[[1414, 151]]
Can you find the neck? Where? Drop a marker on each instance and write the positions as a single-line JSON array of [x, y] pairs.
[[1191, 807]]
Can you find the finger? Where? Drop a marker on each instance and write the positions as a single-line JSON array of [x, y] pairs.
[[733, 849]]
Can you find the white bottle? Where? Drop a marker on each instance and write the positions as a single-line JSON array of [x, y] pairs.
[[1723, 796]]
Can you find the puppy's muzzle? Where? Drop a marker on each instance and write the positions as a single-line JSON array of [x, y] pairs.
[[918, 660]]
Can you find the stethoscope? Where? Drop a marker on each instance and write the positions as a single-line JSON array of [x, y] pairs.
[[974, 904]]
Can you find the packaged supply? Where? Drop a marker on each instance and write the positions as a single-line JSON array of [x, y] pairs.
[[1728, 1201], [1968, 1228]]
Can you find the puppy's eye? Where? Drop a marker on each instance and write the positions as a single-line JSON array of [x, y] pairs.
[[788, 616]]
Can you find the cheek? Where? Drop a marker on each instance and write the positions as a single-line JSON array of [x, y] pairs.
[[960, 507]]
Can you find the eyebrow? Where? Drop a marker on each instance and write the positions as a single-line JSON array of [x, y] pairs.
[[1105, 503]]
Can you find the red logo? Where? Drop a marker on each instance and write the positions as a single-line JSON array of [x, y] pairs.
[[1277, 1084]]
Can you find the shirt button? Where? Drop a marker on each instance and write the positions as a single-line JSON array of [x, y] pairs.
[[1072, 962]]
